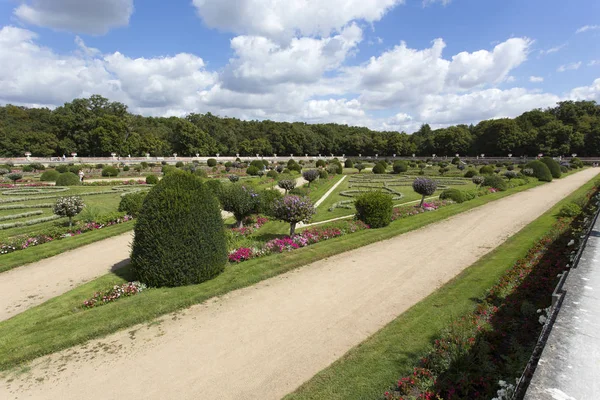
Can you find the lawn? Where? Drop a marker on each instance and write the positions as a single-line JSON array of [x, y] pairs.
[[61, 322]]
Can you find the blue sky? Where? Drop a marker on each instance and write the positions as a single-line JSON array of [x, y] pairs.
[[386, 64]]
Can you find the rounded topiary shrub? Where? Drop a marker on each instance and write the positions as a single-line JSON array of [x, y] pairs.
[[570, 210], [179, 236], [62, 168], [400, 166], [495, 181], [323, 174], [348, 163], [110, 171], [374, 209], [453, 194], [470, 173], [540, 171], [320, 163], [553, 166], [424, 187], [379, 169], [486, 169], [272, 174], [67, 179], [131, 203], [50, 176], [211, 162], [252, 170], [152, 179]]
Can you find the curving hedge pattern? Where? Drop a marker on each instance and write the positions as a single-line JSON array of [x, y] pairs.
[[33, 190], [29, 223], [21, 215]]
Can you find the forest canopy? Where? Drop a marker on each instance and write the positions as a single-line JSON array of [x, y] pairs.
[[99, 127]]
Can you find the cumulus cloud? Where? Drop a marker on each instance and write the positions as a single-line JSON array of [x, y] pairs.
[[94, 17], [591, 92], [278, 19], [571, 66], [536, 79]]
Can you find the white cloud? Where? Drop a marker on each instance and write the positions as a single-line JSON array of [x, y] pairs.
[[553, 49], [570, 66], [510, 79], [586, 28], [261, 63], [536, 79], [591, 92], [430, 2], [95, 17], [283, 19], [593, 63]]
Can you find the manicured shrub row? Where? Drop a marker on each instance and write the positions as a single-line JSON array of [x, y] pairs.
[[29, 223], [21, 215]]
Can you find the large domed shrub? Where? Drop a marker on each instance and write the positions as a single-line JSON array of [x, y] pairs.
[[374, 209], [400, 166], [379, 169], [553, 166], [50, 176], [110, 171], [540, 171], [453, 194], [179, 237], [67, 179], [494, 181], [152, 179], [486, 169]]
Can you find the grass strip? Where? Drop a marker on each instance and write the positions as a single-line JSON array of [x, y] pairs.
[[37, 253], [61, 322], [371, 368]]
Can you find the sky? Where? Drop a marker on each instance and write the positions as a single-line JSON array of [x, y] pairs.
[[385, 64]]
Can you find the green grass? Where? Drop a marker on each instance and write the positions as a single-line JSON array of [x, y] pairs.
[[61, 323], [370, 369], [33, 254], [319, 187]]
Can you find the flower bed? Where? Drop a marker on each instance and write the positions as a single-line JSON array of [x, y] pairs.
[[24, 242], [407, 211], [303, 239], [113, 294], [476, 353], [251, 225]]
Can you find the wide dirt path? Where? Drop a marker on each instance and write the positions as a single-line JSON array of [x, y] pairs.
[[264, 341], [32, 284]]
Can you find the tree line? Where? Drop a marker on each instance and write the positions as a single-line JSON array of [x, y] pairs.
[[98, 127]]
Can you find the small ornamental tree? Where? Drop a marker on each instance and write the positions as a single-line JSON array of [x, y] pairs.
[[240, 200], [478, 180], [359, 167], [293, 209], [14, 177], [68, 207], [311, 175], [424, 187], [286, 184]]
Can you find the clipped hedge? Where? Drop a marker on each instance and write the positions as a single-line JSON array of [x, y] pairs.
[[379, 169], [553, 166], [374, 209], [540, 171], [68, 179], [179, 237], [50, 176], [453, 194], [131, 203]]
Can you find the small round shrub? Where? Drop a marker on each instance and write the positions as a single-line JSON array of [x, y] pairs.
[[126, 168], [478, 179], [495, 181], [240, 200], [374, 209], [400, 166], [234, 178], [455, 160], [62, 168], [553, 166], [323, 174], [295, 167], [348, 163], [564, 169], [50, 176], [252, 170], [131, 203], [511, 175], [453, 194], [38, 166], [311, 175], [486, 170], [285, 171], [570, 210], [27, 168], [272, 174], [179, 238], [320, 163], [470, 173], [424, 187], [211, 162], [110, 171], [152, 179], [379, 169], [540, 171], [14, 177], [527, 171], [67, 179], [576, 162], [74, 169], [359, 167]]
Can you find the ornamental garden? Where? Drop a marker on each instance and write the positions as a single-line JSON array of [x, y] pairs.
[[194, 223]]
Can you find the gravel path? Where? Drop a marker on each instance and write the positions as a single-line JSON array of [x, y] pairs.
[[263, 341]]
